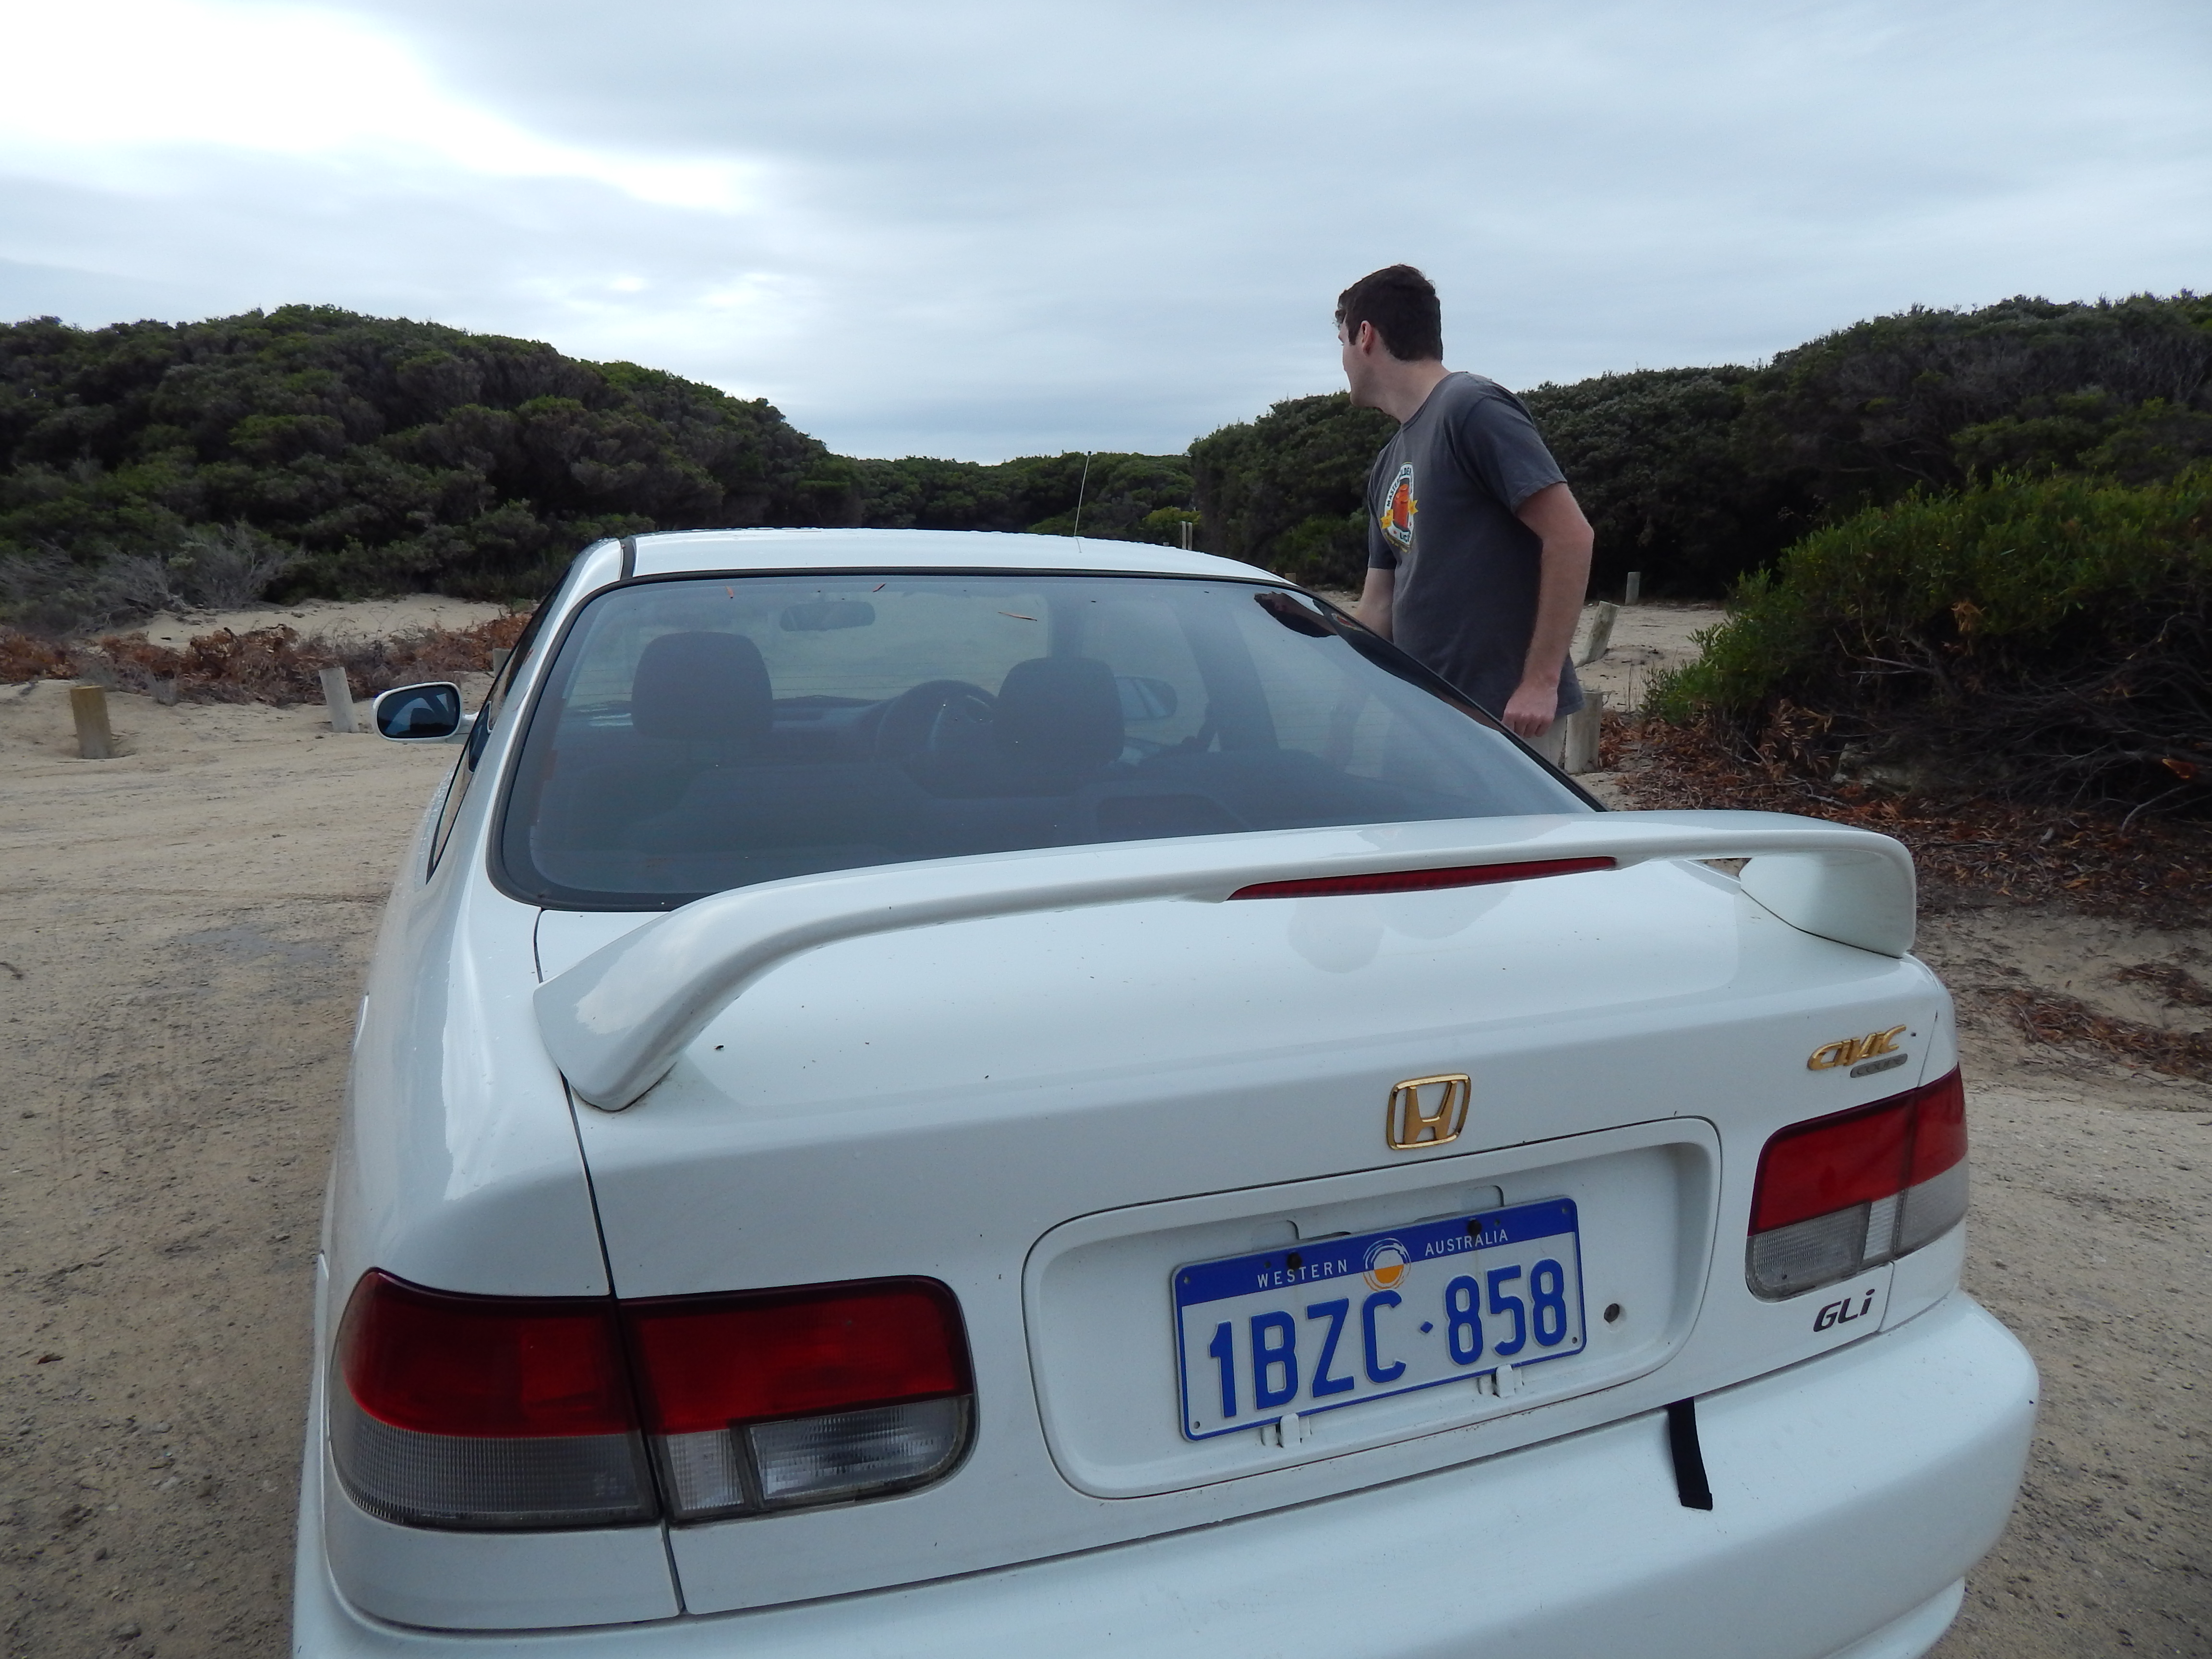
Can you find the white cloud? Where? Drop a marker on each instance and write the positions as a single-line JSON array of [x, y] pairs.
[[986, 227], [131, 93]]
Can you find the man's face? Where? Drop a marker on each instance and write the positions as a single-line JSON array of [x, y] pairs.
[[1357, 363]]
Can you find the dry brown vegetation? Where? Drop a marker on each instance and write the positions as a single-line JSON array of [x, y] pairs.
[[263, 665], [2064, 1022], [2153, 872], [2107, 863]]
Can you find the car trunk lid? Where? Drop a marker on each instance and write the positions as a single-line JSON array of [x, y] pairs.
[[1051, 1114]]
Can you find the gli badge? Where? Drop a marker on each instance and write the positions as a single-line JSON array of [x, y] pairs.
[[1425, 1111], [1842, 1313]]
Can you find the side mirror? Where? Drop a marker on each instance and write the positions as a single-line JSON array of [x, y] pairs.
[[418, 713]]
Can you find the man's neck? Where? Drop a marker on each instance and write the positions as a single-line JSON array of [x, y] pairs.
[[1404, 387]]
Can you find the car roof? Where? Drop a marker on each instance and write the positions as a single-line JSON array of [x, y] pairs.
[[671, 552]]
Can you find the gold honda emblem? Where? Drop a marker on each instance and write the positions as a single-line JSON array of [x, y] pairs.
[[1425, 1111]]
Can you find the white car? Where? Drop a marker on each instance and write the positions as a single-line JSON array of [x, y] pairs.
[[928, 1093]]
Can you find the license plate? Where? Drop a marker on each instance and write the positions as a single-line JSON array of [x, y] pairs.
[[1317, 1327]]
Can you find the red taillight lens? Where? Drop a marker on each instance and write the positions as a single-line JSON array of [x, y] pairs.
[[803, 1396], [508, 1412], [712, 1361], [487, 1367], [1842, 1194], [1418, 881], [485, 1412], [1939, 1138], [1827, 1165]]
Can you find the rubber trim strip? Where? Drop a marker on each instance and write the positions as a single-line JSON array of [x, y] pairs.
[[1690, 1483], [629, 558]]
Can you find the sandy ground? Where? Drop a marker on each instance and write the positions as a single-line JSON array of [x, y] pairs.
[[1645, 639], [182, 936], [2090, 1236]]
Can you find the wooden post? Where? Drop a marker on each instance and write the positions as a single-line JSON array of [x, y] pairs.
[[165, 691], [95, 739], [1601, 634], [1579, 753], [500, 654], [1634, 587], [339, 696]]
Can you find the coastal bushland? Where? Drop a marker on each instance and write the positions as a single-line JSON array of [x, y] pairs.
[[1968, 539]]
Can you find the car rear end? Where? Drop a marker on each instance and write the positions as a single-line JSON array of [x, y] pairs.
[[1540, 1242]]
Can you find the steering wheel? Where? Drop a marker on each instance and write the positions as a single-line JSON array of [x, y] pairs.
[[931, 717]]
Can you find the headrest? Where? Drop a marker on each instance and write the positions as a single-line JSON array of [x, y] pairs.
[[1063, 713], [703, 687]]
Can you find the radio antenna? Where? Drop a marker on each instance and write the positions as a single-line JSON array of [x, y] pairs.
[[1077, 531]]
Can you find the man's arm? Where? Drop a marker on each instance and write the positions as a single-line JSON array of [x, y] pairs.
[[1564, 577], [1373, 610]]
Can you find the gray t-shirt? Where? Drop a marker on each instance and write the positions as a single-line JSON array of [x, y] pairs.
[[1440, 502]]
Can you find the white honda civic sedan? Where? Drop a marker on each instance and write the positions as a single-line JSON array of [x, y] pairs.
[[964, 1095]]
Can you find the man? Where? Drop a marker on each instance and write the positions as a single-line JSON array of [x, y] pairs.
[[1477, 554]]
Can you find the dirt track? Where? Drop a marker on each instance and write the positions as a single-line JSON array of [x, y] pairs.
[[182, 934]]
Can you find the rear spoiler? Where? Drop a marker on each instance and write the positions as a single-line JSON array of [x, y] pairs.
[[616, 1021]]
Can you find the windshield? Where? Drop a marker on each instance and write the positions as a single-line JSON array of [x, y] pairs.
[[705, 733]]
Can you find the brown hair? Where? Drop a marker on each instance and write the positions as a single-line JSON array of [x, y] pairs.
[[1402, 306]]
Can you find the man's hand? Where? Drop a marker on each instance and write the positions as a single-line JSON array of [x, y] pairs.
[[1531, 709], [1553, 514]]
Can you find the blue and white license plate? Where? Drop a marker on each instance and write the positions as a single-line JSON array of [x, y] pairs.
[[1315, 1326]]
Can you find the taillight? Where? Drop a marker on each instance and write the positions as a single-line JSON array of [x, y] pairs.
[[519, 1412], [485, 1412], [1843, 1193], [767, 1402]]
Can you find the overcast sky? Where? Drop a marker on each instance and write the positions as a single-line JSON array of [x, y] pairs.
[[982, 230]]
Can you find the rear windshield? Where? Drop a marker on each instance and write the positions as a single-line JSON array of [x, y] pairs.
[[702, 734]]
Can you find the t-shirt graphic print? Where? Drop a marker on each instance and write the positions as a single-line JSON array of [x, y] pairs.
[[1397, 517]]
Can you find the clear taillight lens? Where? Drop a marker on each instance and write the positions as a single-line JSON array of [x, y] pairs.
[[769, 1402], [485, 1412], [1843, 1193]]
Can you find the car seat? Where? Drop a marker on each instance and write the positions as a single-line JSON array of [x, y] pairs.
[[1057, 726], [698, 701]]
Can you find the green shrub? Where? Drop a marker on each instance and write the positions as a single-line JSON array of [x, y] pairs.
[[379, 453], [1124, 497], [1658, 461], [2046, 637], [1287, 490]]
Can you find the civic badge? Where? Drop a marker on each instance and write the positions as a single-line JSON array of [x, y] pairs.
[[1849, 1051], [1425, 1111]]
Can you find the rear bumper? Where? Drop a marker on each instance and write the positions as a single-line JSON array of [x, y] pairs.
[[1852, 1494]]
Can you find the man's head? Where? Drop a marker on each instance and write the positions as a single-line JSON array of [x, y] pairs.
[[1392, 330], [1400, 305]]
